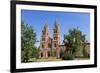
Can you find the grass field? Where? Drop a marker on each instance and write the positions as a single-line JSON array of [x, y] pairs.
[[46, 60], [53, 59]]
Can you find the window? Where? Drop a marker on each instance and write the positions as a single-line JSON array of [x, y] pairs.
[[49, 45], [55, 45], [43, 32], [43, 39], [55, 38], [55, 31], [42, 46]]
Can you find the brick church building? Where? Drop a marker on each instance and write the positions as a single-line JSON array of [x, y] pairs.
[[47, 43]]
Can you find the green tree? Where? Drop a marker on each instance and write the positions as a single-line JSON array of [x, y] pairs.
[[28, 40], [75, 38]]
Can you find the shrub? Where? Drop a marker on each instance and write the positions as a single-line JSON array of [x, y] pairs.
[[67, 56]]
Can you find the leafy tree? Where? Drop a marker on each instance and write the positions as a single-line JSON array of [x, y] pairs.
[[28, 40], [75, 38]]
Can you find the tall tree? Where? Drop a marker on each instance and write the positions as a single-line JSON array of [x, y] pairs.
[[28, 40], [75, 38]]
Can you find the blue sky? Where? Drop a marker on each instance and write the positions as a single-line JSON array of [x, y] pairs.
[[66, 21]]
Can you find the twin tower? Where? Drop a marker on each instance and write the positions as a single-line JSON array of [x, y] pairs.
[[48, 43]]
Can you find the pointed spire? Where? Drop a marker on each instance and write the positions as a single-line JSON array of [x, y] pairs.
[[56, 20], [45, 25], [56, 23]]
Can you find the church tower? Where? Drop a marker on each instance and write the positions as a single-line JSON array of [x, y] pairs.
[[44, 42], [56, 35], [47, 43]]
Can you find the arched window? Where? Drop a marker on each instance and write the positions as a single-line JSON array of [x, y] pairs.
[[49, 45], [55, 44], [41, 54], [55, 31], [42, 46]]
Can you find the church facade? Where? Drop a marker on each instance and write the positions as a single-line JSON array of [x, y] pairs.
[[48, 43]]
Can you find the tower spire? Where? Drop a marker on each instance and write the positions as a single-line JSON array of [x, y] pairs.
[[56, 24], [56, 21]]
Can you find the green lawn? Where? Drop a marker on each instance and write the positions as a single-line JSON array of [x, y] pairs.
[[53, 59], [46, 60]]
